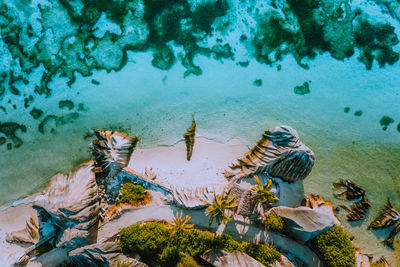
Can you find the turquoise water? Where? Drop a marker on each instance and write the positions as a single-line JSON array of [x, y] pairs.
[[339, 118]]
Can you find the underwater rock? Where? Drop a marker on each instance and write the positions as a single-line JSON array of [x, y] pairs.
[[257, 82], [102, 254], [67, 213], [385, 121], [163, 58], [111, 152], [346, 189], [2, 140], [221, 258], [376, 42], [387, 217], [189, 140], [222, 51], [302, 89], [9, 129], [95, 82], [279, 152], [66, 104], [358, 210], [244, 64], [36, 113], [58, 120], [358, 113]]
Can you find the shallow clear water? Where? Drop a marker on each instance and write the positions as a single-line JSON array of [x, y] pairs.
[[157, 106]]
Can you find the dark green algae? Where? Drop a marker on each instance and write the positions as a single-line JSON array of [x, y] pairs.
[[176, 22]]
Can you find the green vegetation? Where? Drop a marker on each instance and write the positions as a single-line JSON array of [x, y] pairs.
[[187, 261], [179, 224], [398, 127], [358, 113], [154, 243], [217, 209], [385, 122], [375, 42], [274, 222], [346, 109], [302, 89], [335, 248], [263, 193], [133, 194]]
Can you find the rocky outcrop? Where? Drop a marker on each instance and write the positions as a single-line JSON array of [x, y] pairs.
[[305, 223], [189, 139], [348, 190], [279, 152], [358, 210], [387, 217], [101, 254], [111, 152], [67, 213], [221, 258], [30, 234], [193, 198]]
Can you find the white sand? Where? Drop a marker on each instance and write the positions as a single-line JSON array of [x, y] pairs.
[[210, 158]]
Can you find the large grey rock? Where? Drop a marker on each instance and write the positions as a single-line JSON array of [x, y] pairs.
[[111, 152], [101, 254], [280, 152], [66, 212], [304, 223], [221, 258]]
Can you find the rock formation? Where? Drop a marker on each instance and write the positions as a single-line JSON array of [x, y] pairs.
[[101, 254], [221, 258], [193, 198], [358, 210], [381, 262], [189, 139], [111, 152], [279, 152], [387, 217], [346, 189], [305, 223], [67, 213]]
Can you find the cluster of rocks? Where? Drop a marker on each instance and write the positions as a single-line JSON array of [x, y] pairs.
[[67, 212], [388, 217], [348, 190]]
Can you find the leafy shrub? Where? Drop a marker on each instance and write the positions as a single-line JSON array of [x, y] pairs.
[[188, 261], [154, 243], [335, 247], [133, 194], [274, 222], [261, 252]]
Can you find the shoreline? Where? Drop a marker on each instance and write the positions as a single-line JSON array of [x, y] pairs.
[[168, 162]]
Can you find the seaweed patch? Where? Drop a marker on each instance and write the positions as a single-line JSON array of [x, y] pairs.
[[302, 89], [385, 121]]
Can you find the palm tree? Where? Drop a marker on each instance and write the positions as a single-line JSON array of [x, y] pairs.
[[218, 208], [263, 194], [179, 224]]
